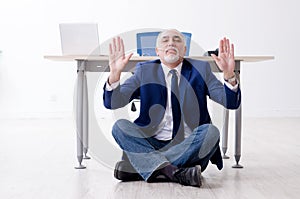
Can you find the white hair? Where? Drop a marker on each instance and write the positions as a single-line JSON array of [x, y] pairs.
[[164, 31]]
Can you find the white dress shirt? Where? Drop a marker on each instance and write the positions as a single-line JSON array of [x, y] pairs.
[[165, 128]]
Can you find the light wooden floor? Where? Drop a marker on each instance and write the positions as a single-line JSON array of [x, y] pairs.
[[37, 159]]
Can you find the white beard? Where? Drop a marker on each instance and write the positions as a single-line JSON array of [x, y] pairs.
[[170, 59]]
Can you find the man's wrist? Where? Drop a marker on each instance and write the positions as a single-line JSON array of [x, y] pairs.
[[112, 86], [228, 75], [113, 78], [231, 79]]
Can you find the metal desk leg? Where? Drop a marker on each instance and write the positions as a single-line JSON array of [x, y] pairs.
[[225, 133], [79, 114], [85, 118], [238, 137], [238, 126]]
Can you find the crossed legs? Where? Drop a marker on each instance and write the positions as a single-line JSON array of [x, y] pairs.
[[147, 154]]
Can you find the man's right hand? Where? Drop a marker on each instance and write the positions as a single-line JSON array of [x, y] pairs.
[[117, 59]]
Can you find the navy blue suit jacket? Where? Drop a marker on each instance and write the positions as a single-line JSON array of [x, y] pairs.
[[148, 84]]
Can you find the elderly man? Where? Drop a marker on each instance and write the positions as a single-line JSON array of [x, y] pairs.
[[173, 138]]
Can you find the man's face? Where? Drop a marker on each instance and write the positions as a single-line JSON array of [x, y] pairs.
[[171, 47]]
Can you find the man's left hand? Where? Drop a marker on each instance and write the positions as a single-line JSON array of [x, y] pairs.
[[225, 59]]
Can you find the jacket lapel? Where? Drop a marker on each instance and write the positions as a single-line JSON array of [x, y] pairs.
[[162, 82], [184, 79], [183, 84]]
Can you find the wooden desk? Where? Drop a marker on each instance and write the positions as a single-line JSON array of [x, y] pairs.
[[100, 64]]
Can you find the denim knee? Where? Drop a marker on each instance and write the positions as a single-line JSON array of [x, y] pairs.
[[212, 137], [211, 129], [214, 132], [125, 128], [118, 127]]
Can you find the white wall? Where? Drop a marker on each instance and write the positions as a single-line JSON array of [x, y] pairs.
[[31, 86]]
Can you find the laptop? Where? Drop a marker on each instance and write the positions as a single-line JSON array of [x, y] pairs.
[[79, 38]]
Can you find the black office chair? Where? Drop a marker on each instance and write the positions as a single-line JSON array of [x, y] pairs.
[[146, 43]]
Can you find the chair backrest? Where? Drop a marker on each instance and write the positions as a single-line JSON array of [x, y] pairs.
[[188, 37], [146, 43]]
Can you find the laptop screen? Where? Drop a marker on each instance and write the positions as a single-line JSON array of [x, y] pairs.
[[79, 39]]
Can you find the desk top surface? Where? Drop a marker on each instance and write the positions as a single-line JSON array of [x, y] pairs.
[[148, 58]]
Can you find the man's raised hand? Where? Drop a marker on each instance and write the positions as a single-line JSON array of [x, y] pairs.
[[117, 59]]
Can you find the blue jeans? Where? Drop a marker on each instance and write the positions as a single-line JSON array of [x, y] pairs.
[[146, 154]]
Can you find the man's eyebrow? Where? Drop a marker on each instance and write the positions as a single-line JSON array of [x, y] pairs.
[[167, 37]]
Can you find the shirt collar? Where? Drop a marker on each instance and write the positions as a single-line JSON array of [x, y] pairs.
[[166, 69]]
